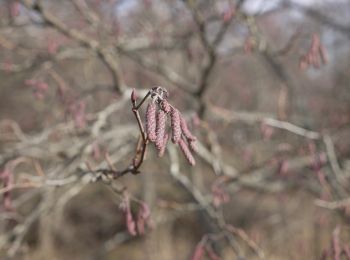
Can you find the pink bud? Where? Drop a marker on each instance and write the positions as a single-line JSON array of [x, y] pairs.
[[133, 96], [228, 14], [42, 86]]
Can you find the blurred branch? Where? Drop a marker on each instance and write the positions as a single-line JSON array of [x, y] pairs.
[[44, 61], [340, 204], [87, 12], [162, 70], [321, 18], [143, 43], [289, 45], [339, 187], [231, 116], [107, 54], [332, 157], [209, 209], [211, 51]]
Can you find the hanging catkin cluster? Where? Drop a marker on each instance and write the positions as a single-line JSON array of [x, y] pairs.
[[315, 56], [157, 114]]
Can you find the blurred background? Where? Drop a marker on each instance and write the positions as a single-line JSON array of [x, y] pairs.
[[264, 86]]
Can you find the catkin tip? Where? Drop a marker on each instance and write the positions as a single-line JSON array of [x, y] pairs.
[[184, 128], [161, 151], [186, 151]]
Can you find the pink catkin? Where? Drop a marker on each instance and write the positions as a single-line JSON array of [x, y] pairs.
[[186, 151], [151, 121], [187, 133], [199, 252], [175, 125], [143, 218], [165, 142], [130, 222], [165, 106], [315, 55], [160, 131]]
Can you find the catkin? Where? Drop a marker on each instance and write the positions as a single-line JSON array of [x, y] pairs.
[[165, 106], [175, 125], [186, 151], [187, 133], [151, 121], [160, 131]]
